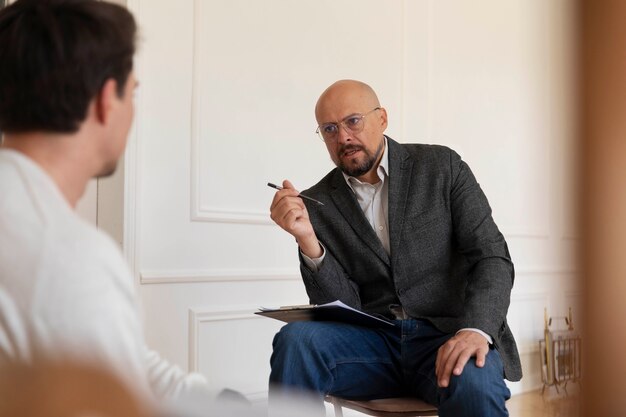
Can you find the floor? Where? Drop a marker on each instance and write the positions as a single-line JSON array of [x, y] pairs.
[[550, 404]]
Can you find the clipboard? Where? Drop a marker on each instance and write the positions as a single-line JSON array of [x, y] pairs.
[[335, 311]]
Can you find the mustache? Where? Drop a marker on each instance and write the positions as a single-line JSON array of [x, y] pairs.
[[350, 147]]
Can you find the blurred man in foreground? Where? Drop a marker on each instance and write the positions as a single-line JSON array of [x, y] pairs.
[[66, 106]]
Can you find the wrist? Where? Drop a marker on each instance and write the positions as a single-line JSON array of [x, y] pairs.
[[487, 337], [310, 246]]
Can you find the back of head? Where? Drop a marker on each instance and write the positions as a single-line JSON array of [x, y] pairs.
[[55, 56]]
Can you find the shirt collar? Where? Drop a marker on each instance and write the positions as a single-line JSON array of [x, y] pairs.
[[382, 170]]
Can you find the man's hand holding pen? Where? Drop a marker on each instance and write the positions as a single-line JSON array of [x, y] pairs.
[[289, 212]]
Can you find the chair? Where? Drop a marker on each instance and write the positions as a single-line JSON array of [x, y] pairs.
[[386, 407]]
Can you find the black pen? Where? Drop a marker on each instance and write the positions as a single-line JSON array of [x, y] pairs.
[[278, 187]]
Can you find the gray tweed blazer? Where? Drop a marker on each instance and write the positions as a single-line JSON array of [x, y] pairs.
[[449, 263]]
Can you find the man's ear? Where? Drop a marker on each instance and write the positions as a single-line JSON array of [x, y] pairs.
[[383, 118], [105, 101]]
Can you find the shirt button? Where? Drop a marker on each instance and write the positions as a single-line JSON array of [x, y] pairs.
[[381, 227]]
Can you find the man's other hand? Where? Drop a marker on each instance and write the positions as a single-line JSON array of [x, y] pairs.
[[454, 354]]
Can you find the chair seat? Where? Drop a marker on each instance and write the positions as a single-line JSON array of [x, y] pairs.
[[385, 407]]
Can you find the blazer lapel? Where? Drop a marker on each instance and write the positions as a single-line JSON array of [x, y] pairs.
[[400, 168], [346, 203]]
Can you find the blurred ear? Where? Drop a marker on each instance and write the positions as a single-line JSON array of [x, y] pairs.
[[105, 101], [383, 118]]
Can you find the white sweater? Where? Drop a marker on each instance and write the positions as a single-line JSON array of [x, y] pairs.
[[65, 289]]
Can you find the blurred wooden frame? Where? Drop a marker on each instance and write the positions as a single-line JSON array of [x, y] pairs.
[[65, 389], [602, 37]]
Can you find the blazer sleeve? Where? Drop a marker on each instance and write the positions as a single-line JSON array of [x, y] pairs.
[[329, 283], [488, 289]]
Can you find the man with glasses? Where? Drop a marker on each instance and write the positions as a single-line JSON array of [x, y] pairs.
[[404, 232]]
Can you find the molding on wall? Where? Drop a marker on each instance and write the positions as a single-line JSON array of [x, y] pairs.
[[527, 347], [510, 232], [132, 169], [530, 295], [197, 316], [189, 276], [543, 232], [546, 271], [573, 294], [196, 126], [430, 70], [207, 214], [417, 58], [403, 88], [574, 298], [200, 213]]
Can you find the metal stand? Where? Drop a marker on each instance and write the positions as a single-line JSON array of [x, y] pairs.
[[561, 354]]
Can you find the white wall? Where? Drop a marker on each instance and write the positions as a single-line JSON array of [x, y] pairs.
[[225, 104], [102, 204]]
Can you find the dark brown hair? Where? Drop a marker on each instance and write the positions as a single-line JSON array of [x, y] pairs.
[[55, 56]]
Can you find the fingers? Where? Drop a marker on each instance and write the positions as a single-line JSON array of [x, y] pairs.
[[285, 200], [288, 218], [288, 184], [289, 212], [481, 357], [443, 363], [287, 191], [286, 207], [456, 352]]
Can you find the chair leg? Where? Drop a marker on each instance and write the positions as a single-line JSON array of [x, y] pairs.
[[338, 409]]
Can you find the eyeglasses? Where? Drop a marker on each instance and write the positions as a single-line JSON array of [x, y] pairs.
[[352, 124]]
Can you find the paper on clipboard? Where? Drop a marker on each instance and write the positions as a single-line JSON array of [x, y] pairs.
[[335, 311]]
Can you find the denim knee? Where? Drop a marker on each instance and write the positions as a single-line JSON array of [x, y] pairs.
[[296, 334], [300, 358], [296, 342], [475, 381], [477, 391]]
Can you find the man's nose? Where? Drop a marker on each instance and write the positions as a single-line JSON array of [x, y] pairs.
[[344, 134]]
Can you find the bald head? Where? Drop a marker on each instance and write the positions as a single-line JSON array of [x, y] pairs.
[[351, 95], [352, 123]]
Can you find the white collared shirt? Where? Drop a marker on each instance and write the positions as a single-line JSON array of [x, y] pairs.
[[374, 199]]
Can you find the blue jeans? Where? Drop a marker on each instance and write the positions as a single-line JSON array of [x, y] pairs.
[[363, 363]]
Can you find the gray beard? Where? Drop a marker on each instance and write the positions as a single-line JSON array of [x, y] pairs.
[[366, 165]]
